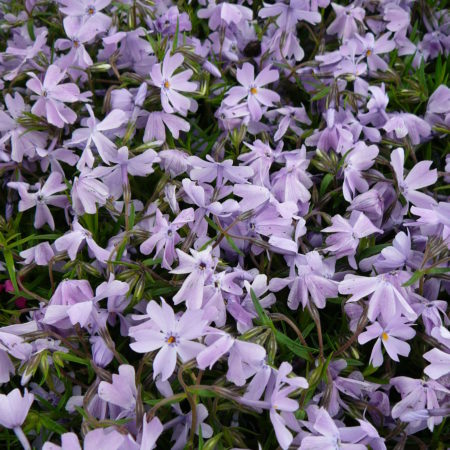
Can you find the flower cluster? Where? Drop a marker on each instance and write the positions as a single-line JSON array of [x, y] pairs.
[[224, 224]]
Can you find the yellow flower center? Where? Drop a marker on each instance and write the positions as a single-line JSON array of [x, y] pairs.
[[253, 91], [384, 336], [171, 339], [369, 52], [166, 84], [91, 11]]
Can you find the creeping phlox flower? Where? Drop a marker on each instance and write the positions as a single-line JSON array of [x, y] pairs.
[[275, 173], [171, 335], [252, 90]]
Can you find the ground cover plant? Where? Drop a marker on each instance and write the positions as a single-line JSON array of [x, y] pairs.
[[224, 225]]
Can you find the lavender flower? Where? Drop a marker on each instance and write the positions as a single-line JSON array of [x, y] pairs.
[[44, 196], [251, 89], [171, 335], [51, 96], [392, 336], [162, 77]]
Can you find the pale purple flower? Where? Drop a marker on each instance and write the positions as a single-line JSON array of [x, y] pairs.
[[210, 170], [434, 219], [281, 406], [181, 430], [175, 162], [23, 142], [88, 11], [164, 236], [392, 336], [44, 196], [388, 296], [244, 358], [13, 412], [74, 303], [157, 122], [376, 106], [346, 235], [86, 192], [291, 183], [163, 78], [401, 125], [419, 176], [13, 345], [345, 25], [291, 116], [252, 89], [289, 15], [309, 282], [72, 241], [417, 395], [371, 48], [40, 254], [24, 51], [116, 176], [439, 360], [77, 56], [399, 254], [52, 158], [327, 436], [95, 133], [52, 96], [438, 107], [173, 336], [336, 135], [121, 392], [260, 159], [360, 158], [224, 14], [200, 266]]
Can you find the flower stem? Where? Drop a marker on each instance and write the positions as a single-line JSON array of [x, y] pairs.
[[22, 438]]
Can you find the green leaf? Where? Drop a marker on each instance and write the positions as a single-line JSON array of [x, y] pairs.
[[50, 424], [263, 317], [416, 276], [293, 346], [9, 260], [62, 356], [321, 94], [372, 250], [175, 39], [327, 179], [233, 245]]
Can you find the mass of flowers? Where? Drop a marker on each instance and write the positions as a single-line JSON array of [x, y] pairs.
[[224, 225]]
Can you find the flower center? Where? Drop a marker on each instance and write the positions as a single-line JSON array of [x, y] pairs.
[[384, 336], [202, 266], [166, 84], [253, 91], [369, 52], [76, 43], [90, 10], [172, 339]]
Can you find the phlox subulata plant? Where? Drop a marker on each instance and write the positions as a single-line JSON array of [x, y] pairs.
[[224, 225]]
